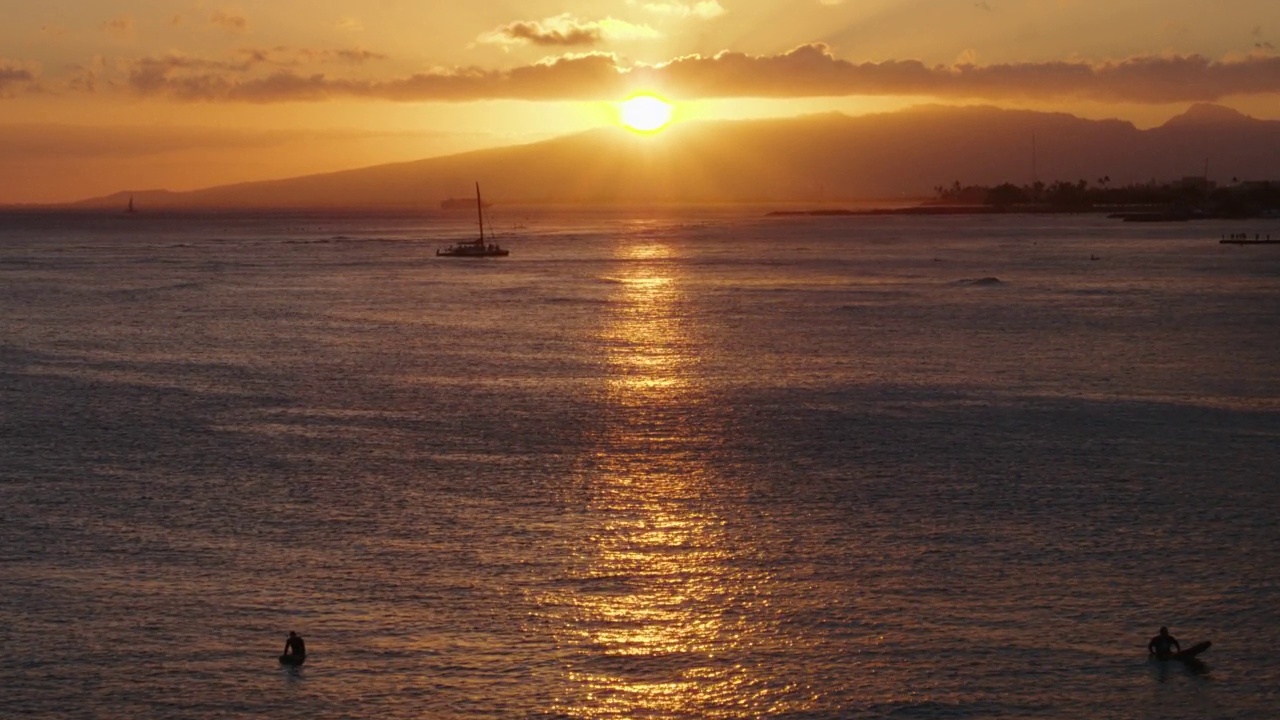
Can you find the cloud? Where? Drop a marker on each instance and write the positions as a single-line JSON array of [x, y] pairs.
[[568, 34], [187, 79], [812, 71], [807, 71], [82, 79], [183, 78], [349, 24], [230, 23], [284, 56], [615, 29], [15, 75], [119, 26], [196, 79], [354, 56], [566, 31], [703, 9]]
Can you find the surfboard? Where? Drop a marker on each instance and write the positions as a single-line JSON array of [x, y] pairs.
[[1191, 652], [293, 660]]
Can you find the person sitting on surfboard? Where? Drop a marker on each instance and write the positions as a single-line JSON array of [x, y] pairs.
[[295, 646], [1163, 645]]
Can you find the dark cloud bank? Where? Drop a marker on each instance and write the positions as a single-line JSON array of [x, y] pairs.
[[807, 71]]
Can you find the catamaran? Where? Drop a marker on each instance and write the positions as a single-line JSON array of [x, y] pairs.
[[478, 247]]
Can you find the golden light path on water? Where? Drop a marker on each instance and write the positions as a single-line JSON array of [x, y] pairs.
[[666, 616]]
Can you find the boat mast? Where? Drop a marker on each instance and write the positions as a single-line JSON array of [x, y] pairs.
[[479, 211]]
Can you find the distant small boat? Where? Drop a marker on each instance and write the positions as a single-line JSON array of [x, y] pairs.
[[478, 247]]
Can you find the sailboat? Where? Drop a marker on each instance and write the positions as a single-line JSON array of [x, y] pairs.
[[130, 209], [477, 247]]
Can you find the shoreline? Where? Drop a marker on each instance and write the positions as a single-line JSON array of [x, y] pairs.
[[1133, 213]]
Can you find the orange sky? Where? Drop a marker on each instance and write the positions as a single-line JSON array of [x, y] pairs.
[[97, 97]]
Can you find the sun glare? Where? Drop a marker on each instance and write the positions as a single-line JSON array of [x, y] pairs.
[[645, 113]]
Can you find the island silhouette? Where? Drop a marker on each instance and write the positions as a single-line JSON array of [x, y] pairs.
[[821, 159]]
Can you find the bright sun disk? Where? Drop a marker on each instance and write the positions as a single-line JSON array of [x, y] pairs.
[[645, 113]]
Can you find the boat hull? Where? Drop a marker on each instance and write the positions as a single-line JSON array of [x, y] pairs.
[[466, 251]]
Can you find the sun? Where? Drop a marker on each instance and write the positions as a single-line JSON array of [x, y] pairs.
[[645, 113]]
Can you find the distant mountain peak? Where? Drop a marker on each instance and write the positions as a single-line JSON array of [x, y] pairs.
[[1208, 114]]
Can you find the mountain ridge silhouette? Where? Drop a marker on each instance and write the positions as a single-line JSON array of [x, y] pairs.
[[827, 157]]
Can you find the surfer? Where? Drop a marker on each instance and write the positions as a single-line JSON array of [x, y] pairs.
[[1163, 645], [294, 647]]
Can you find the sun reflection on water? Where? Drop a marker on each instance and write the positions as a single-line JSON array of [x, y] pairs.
[[648, 352], [660, 610]]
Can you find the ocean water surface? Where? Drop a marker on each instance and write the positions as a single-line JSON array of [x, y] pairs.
[[654, 464]]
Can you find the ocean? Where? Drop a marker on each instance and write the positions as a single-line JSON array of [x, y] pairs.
[[695, 463]]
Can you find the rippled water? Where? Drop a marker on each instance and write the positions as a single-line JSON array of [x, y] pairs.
[[652, 465]]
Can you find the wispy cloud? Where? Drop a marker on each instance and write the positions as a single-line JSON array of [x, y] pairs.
[[352, 56], [566, 31], [84, 78], [197, 79], [230, 22], [703, 9], [188, 79], [285, 56], [1261, 44], [807, 71], [121, 26], [15, 75]]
